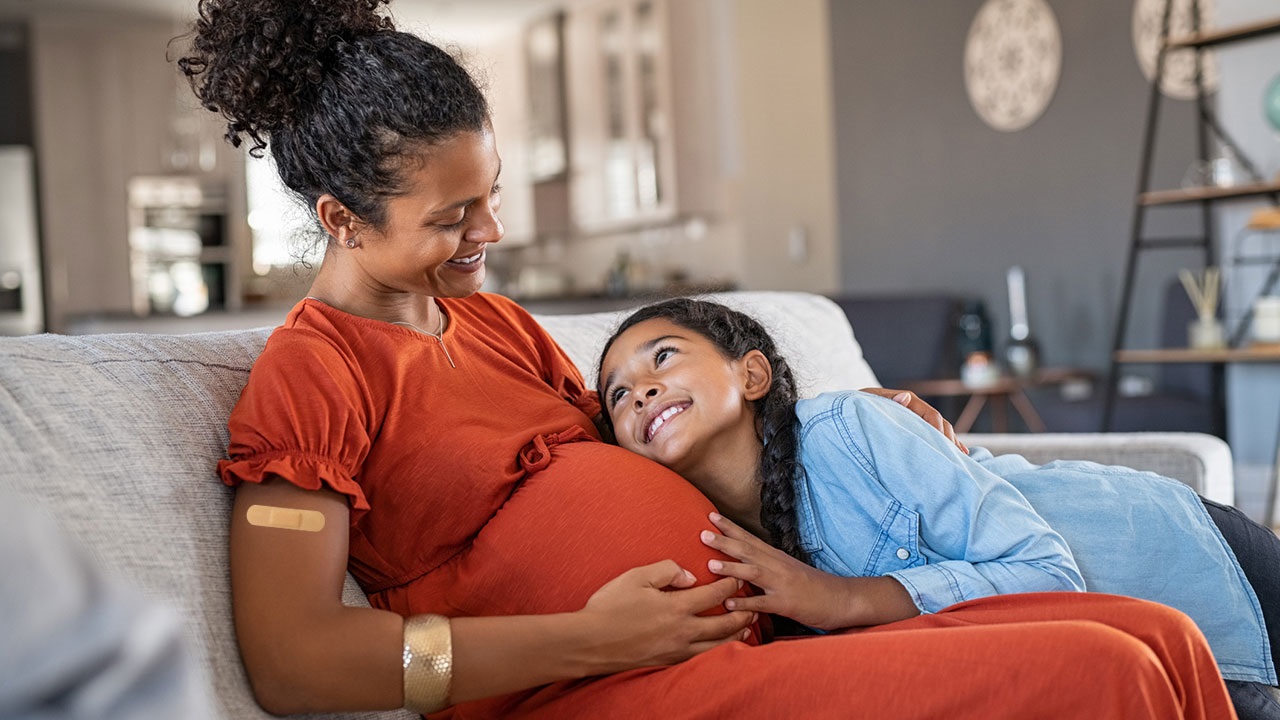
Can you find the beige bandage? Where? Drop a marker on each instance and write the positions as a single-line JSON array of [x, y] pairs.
[[428, 663], [285, 518]]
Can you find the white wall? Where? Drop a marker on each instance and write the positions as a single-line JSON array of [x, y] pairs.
[[785, 190]]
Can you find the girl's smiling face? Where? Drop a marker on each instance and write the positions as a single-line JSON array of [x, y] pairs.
[[675, 398]]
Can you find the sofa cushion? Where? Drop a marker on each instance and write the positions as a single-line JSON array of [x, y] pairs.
[[117, 435], [905, 337], [1199, 460], [811, 331]]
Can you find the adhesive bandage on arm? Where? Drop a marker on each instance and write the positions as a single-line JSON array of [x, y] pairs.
[[285, 518], [428, 663]]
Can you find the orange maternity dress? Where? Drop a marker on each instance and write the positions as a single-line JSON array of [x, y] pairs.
[[483, 489]]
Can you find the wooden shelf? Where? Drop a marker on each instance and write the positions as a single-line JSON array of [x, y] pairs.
[[1254, 353], [1202, 198], [1225, 35], [1172, 197]]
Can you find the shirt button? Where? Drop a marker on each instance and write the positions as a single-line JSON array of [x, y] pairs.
[[903, 554]]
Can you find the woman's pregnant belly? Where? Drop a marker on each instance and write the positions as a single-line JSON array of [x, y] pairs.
[[586, 516]]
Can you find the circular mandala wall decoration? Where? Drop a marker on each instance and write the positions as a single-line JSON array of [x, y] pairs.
[[1012, 62], [1179, 80]]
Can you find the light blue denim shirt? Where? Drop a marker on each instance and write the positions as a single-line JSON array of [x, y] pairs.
[[886, 494]]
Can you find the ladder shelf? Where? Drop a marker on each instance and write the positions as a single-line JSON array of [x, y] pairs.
[[1146, 198]]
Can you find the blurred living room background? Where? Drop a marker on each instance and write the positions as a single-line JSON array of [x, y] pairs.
[[962, 176]]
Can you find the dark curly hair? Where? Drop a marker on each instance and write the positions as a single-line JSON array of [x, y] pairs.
[[339, 97], [735, 334]]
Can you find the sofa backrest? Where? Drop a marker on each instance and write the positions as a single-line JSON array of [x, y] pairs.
[[811, 331], [118, 436], [906, 337]]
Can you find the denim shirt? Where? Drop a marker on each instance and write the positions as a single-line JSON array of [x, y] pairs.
[[886, 494]]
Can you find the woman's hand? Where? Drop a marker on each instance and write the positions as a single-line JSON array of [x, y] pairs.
[[912, 402], [650, 616], [800, 592]]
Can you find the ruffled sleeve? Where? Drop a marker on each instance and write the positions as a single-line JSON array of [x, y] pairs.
[[304, 416]]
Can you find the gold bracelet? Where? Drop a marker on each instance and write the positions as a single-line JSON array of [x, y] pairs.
[[428, 663]]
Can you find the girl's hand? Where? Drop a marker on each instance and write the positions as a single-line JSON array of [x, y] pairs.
[[650, 616], [801, 592], [912, 402]]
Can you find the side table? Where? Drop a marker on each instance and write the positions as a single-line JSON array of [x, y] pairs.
[[1004, 392]]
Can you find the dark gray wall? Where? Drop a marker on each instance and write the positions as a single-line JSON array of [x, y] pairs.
[[15, 86], [931, 198]]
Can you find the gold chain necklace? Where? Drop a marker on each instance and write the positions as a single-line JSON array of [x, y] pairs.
[[438, 334]]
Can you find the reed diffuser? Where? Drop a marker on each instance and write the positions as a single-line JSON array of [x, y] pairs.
[[1205, 332]]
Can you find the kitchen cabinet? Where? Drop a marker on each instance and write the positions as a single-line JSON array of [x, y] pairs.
[[641, 99], [182, 260]]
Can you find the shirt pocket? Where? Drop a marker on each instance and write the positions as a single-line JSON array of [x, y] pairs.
[[812, 537], [897, 545]]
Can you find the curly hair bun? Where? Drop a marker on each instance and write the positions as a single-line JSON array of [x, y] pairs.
[[257, 62]]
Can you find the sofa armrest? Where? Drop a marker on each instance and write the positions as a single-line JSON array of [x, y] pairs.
[[1197, 459]]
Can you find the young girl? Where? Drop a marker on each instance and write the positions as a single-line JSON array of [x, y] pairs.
[[897, 519]]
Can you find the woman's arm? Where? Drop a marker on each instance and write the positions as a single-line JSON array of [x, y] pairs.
[[305, 651]]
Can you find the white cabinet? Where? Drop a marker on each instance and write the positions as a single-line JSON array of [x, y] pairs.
[[637, 101]]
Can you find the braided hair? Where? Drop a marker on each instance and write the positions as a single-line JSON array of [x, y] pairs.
[[339, 97], [735, 334]]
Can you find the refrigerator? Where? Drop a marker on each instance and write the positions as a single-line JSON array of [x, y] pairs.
[[21, 293]]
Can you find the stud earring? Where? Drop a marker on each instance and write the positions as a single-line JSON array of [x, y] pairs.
[[351, 243]]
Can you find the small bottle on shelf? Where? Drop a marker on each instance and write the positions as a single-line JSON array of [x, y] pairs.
[[1021, 352]]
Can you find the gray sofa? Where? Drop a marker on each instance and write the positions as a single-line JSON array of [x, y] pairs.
[[118, 436]]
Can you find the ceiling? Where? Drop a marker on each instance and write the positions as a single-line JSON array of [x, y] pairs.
[[476, 18]]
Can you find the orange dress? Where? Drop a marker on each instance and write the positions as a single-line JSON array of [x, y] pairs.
[[483, 489]]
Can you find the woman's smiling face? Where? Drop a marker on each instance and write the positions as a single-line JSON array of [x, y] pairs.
[[435, 234], [671, 394]]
